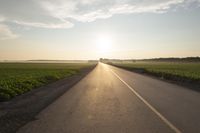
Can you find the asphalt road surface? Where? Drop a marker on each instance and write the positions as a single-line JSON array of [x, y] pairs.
[[112, 100]]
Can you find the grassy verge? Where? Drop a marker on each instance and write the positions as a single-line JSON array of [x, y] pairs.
[[18, 78], [177, 71]]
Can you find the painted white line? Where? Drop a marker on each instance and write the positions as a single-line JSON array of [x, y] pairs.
[[175, 129]]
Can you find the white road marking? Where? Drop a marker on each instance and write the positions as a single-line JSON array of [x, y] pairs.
[[175, 129]]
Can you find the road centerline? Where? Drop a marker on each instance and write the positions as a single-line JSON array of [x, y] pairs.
[[167, 122]]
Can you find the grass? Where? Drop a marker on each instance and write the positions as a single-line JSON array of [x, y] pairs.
[[18, 78], [189, 72]]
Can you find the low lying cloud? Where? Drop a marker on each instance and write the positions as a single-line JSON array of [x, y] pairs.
[[6, 33], [46, 25], [2, 18]]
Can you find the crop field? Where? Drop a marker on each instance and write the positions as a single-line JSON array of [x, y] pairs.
[[18, 78], [169, 70]]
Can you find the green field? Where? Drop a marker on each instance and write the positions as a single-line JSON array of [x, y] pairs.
[[180, 71], [18, 78]]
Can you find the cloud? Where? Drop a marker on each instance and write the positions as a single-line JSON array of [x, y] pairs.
[[46, 25], [30, 13], [2, 18], [61, 14], [6, 33], [90, 10], [158, 7]]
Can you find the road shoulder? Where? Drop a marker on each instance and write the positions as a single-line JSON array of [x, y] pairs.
[[193, 85], [22, 109]]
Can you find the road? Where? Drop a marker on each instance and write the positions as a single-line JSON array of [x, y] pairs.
[[112, 100]]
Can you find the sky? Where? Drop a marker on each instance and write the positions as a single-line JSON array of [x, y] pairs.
[[93, 29]]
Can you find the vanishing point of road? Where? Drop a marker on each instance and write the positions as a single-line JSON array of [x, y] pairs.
[[112, 100]]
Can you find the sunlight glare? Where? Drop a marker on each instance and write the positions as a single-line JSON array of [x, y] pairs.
[[104, 43]]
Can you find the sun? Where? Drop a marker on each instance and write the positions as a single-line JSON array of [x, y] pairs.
[[104, 43]]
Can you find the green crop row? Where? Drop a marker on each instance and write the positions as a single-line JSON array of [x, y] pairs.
[[167, 70], [18, 78]]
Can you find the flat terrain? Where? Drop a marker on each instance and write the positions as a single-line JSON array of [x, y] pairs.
[[188, 70], [113, 100], [18, 78], [183, 73]]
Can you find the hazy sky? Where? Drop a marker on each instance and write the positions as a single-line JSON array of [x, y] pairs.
[[90, 29]]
